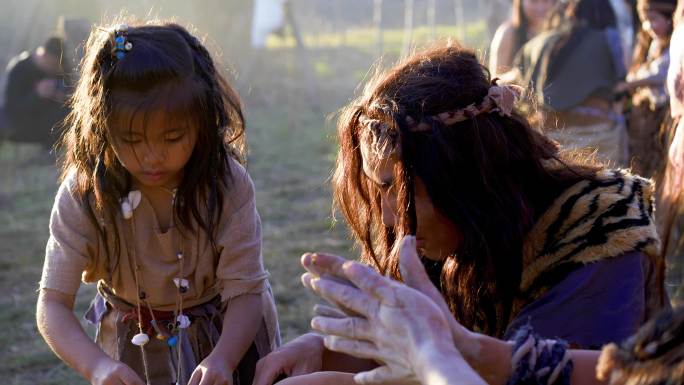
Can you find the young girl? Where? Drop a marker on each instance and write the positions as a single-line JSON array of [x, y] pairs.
[[646, 85], [155, 207]]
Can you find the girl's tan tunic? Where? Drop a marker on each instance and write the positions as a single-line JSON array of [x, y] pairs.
[[74, 252]]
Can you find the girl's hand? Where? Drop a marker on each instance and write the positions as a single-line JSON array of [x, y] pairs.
[[303, 355], [111, 372], [212, 371]]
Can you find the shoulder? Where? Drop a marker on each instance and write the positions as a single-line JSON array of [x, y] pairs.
[[504, 36], [238, 187], [18, 61], [604, 217]]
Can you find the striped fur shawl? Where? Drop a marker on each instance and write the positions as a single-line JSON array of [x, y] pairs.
[[592, 220]]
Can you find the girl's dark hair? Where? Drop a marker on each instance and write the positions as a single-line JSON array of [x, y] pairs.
[[653, 356], [579, 17], [482, 174], [168, 70]]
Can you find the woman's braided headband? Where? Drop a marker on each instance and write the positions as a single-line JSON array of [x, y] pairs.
[[384, 142]]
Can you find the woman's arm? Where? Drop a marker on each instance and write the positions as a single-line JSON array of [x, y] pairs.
[[65, 336], [501, 50]]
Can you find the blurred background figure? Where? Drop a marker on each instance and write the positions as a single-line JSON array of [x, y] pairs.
[[645, 86], [526, 21], [572, 69], [35, 94]]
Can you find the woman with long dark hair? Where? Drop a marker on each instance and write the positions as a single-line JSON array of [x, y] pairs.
[[511, 230]]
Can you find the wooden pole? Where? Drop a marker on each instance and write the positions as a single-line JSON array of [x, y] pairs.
[[408, 27], [303, 53], [431, 18], [377, 25]]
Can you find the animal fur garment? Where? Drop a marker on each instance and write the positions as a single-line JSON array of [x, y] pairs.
[[593, 220]]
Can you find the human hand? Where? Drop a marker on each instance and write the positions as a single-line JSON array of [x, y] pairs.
[[397, 325], [303, 355], [213, 370], [320, 378], [111, 372]]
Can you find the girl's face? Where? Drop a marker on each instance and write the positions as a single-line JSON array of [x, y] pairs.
[[656, 24], [155, 154], [437, 237], [536, 11]]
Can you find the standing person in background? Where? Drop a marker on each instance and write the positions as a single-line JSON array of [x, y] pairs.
[[527, 20], [671, 192], [645, 84], [572, 70], [35, 93]]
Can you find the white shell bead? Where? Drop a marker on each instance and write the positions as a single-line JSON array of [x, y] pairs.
[[183, 321], [140, 339], [181, 282], [126, 210]]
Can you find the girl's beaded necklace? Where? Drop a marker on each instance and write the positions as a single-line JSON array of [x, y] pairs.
[[180, 321]]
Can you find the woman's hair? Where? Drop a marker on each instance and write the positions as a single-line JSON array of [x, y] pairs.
[[653, 356], [167, 71], [520, 23], [483, 174], [643, 39]]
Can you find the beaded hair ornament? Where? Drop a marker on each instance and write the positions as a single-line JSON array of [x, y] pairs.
[[383, 142], [121, 44]]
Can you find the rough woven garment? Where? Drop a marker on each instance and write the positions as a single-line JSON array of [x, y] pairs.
[[114, 334]]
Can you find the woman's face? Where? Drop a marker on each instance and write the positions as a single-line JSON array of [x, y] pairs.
[[656, 24], [436, 236], [536, 11]]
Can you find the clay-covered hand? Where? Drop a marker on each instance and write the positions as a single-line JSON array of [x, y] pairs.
[[386, 321]]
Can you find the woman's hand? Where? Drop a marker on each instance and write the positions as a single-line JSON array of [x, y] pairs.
[[385, 321], [303, 355], [320, 378], [111, 372], [213, 370]]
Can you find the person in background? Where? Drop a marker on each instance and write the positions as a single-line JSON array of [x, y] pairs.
[[35, 94], [645, 84], [571, 70], [670, 198], [526, 21]]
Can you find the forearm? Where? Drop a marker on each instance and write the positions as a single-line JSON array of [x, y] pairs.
[[242, 319], [445, 366], [65, 336]]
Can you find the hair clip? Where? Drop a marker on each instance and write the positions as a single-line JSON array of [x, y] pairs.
[[121, 43]]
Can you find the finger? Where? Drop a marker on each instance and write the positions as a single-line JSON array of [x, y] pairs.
[[328, 311], [380, 375], [356, 348], [321, 263], [347, 298], [370, 281], [267, 371], [196, 377], [350, 327], [414, 275], [413, 272]]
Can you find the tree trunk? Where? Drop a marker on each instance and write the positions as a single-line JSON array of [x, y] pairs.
[[408, 27]]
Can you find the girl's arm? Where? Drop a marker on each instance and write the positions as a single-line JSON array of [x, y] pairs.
[[65, 336], [241, 322]]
